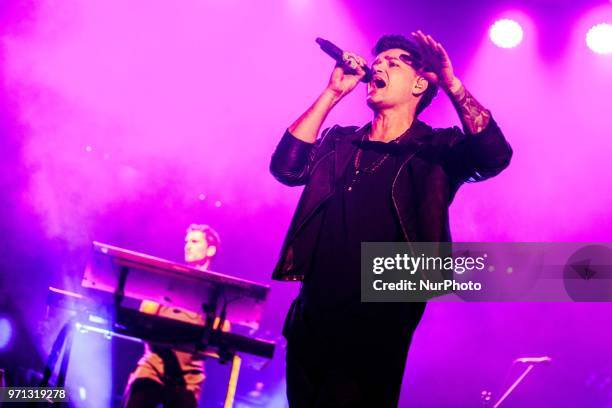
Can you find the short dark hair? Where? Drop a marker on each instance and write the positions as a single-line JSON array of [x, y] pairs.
[[211, 236], [388, 42]]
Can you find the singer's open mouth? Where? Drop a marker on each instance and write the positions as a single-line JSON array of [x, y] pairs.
[[378, 82]]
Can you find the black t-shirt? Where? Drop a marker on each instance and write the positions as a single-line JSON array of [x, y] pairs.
[[360, 210], [329, 313]]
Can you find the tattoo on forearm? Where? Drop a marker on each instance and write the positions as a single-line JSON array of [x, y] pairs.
[[473, 115]]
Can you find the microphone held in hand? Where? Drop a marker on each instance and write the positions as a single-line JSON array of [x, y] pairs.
[[338, 55]]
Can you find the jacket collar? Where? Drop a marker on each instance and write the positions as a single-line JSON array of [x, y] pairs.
[[416, 133], [414, 138]]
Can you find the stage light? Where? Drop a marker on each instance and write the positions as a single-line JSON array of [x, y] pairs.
[[6, 333], [599, 38], [506, 33]]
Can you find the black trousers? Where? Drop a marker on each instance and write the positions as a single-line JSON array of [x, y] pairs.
[[348, 358]]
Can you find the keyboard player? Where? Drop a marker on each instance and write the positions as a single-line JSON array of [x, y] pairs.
[[169, 377]]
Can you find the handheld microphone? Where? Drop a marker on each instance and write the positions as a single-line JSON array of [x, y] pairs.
[[337, 54], [533, 360]]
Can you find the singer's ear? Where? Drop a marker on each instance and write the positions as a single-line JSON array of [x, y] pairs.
[[420, 85]]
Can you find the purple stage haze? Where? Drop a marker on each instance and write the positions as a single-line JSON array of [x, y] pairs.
[[126, 121]]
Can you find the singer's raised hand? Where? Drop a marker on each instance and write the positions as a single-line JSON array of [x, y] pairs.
[[343, 80], [436, 64]]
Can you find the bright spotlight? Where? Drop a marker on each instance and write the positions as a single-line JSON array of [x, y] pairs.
[[506, 33], [599, 38]]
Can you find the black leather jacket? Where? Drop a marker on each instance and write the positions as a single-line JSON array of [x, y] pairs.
[[436, 162]]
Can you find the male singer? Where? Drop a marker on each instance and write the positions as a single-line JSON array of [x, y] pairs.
[[390, 180]]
